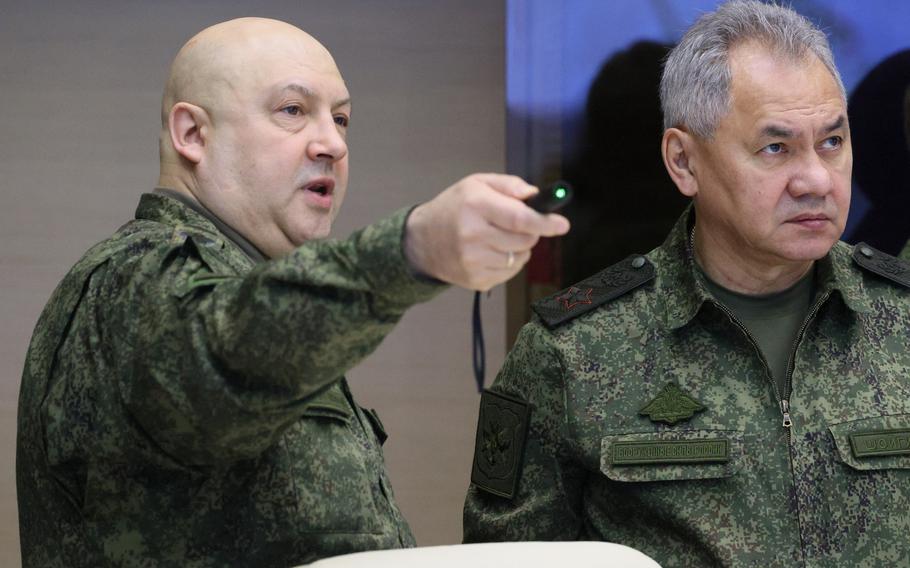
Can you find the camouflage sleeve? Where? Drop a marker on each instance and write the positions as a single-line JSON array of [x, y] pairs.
[[547, 501], [216, 366], [905, 254]]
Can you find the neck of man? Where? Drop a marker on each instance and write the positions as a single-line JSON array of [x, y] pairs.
[[180, 182], [742, 274], [177, 179]]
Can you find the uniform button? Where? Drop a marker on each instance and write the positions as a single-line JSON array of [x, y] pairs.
[[867, 252], [638, 262]]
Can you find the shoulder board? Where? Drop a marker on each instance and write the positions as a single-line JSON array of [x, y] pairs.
[[198, 237], [594, 291], [882, 263]]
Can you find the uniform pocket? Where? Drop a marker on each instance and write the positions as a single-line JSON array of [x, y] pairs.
[[675, 455], [333, 463], [866, 487]]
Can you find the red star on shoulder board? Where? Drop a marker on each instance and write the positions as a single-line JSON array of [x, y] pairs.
[[574, 296]]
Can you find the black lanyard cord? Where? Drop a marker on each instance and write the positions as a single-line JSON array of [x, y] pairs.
[[479, 351], [553, 197]]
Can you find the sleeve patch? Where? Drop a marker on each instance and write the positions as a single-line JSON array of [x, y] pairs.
[[502, 429]]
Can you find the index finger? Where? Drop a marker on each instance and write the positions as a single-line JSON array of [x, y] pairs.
[[510, 185], [513, 215]]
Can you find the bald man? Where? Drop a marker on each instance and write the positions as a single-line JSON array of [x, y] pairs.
[[183, 400]]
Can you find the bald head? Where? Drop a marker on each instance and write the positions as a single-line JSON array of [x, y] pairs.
[[253, 124], [219, 63]]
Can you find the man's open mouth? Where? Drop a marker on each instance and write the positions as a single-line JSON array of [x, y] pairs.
[[321, 186]]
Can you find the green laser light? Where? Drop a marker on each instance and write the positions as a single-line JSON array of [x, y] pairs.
[[552, 198]]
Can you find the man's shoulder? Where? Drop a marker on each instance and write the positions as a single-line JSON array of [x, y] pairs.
[[144, 249], [610, 293], [141, 238]]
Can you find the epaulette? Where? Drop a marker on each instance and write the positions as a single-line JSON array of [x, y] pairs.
[[594, 291], [882, 263], [198, 237]]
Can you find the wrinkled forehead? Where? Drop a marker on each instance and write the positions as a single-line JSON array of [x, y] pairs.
[[764, 81], [263, 63], [233, 63], [757, 63]]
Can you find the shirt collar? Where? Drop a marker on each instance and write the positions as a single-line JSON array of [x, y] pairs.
[[682, 291], [165, 210]]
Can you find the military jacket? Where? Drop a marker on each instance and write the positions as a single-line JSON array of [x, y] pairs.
[[184, 406], [905, 254], [653, 421]]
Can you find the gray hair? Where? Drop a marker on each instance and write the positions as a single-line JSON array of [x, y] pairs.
[[695, 86]]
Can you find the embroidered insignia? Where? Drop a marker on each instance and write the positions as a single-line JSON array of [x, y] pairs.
[[881, 263], [671, 406], [595, 291], [575, 296], [880, 443], [671, 451], [501, 430], [497, 441]]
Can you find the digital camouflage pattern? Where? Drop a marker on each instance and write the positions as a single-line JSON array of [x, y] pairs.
[[183, 406], [729, 485]]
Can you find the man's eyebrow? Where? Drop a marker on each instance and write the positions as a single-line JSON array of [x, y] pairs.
[[308, 93], [297, 88], [776, 131], [837, 124]]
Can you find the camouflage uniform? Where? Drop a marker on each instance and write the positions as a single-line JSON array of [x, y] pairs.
[[905, 254], [182, 405], [718, 481]]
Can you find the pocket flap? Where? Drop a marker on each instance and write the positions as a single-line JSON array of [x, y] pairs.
[[376, 423], [879, 442], [675, 455]]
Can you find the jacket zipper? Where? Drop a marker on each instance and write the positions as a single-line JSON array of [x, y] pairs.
[[784, 404], [791, 364], [784, 401], [782, 398]]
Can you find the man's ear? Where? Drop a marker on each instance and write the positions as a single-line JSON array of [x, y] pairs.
[[678, 148], [188, 126]]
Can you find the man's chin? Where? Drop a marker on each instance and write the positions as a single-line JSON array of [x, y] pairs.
[[304, 235], [813, 249]]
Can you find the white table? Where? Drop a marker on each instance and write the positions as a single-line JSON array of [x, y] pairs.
[[498, 555]]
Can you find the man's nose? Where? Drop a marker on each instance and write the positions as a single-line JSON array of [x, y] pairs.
[[812, 176], [328, 141]]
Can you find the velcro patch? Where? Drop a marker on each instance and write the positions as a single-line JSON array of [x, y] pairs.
[[502, 428], [880, 443], [671, 451]]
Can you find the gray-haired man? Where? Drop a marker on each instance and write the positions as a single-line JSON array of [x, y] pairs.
[[738, 396]]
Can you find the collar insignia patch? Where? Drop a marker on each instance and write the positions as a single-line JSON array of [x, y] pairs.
[[671, 406]]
